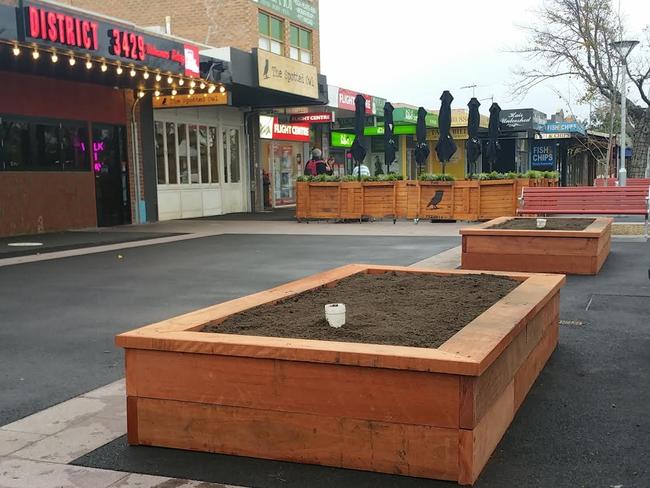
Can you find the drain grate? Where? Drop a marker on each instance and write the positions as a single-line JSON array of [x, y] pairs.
[[572, 323]]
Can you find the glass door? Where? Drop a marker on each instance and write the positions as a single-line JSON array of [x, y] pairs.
[[109, 163], [233, 199]]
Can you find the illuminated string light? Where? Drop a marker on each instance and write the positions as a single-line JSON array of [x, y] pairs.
[[72, 61], [145, 75], [192, 84], [158, 77], [212, 89], [222, 89], [54, 57], [132, 73], [119, 69], [191, 91], [89, 64], [170, 80], [157, 93], [140, 94], [174, 92], [103, 67], [202, 86], [181, 82], [36, 54], [16, 50]]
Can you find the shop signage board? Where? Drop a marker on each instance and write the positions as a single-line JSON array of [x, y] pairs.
[[197, 100], [559, 127], [342, 139], [314, 117], [302, 11], [271, 128], [542, 155], [69, 30], [558, 135], [377, 104], [409, 116], [346, 100], [286, 75], [522, 119]]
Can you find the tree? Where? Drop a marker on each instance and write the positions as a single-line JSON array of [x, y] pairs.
[[574, 38]]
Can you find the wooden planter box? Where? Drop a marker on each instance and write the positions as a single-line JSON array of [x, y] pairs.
[[540, 251], [433, 413]]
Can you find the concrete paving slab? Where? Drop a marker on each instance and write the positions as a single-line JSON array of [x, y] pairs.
[[74, 441], [13, 441], [25, 473], [146, 481], [117, 389], [449, 259]]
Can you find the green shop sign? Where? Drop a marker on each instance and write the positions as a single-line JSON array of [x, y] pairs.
[[344, 139], [303, 11], [407, 116]]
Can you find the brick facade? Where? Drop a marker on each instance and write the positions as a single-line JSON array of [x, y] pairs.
[[217, 23]]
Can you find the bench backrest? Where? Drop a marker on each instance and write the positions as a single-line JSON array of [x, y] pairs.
[[630, 200], [630, 182]]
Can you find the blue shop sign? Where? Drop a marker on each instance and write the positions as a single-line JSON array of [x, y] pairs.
[[542, 155], [562, 127]]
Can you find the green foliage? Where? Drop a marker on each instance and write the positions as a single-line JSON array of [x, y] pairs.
[[551, 174], [389, 177], [435, 177], [319, 178], [492, 176]]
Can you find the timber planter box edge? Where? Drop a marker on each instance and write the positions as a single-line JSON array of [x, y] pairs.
[[433, 413], [536, 251]]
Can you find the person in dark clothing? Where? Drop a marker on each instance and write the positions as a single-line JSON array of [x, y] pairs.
[[316, 165]]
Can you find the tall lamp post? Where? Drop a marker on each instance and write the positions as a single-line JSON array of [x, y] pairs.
[[624, 49]]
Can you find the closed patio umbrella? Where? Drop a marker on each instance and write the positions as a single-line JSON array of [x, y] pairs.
[[446, 147], [473, 144], [390, 146], [358, 149], [421, 147], [493, 147]]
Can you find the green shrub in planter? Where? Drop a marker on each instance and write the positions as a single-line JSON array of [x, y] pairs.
[[435, 177], [551, 174]]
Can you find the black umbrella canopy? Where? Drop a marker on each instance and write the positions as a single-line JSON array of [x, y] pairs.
[[358, 149], [421, 148], [390, 146], [473, 144], [493, 147], [446, 146]]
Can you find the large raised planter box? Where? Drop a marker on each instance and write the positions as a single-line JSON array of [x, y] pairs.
[[425, 412], [539, 250]]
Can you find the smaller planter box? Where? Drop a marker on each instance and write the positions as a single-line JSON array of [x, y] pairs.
[[425, 412], [539, 251]]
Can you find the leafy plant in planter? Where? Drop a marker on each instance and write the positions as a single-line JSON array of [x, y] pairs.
[[436, 177]]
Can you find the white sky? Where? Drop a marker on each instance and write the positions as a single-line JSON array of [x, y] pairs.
[[432, 50]]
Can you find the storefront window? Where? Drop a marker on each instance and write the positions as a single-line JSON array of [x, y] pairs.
[[33, 145], [159, 128], [214, 155], [300, 44], [182, 154], [172, 177], [194, 155], [203, 154], [271, 33]]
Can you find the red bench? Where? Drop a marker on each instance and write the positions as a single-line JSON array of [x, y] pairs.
[[628, 200]]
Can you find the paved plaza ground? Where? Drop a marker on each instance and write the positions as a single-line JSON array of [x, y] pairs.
[[584, 423]]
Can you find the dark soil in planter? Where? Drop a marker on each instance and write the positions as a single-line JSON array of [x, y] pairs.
[[396, 309], [551, 224]]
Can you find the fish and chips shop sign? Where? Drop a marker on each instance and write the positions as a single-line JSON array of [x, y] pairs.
[[564, 128], [522, 119], [542, 155]]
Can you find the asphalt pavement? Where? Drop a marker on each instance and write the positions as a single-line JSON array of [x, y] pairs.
[[585, 422], [58, 318]]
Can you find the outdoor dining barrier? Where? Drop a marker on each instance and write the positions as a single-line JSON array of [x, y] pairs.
[[412, 199]]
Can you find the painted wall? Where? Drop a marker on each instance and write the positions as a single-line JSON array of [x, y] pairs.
[[32, 202]]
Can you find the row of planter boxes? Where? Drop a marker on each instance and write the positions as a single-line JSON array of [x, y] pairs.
[[411, 199]]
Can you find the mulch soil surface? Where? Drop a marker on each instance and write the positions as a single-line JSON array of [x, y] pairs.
[[394, 309], [551, 224]]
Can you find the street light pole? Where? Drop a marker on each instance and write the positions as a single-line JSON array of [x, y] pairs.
[[624, 48]]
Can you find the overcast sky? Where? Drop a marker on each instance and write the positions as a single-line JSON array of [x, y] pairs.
[[441, 45]]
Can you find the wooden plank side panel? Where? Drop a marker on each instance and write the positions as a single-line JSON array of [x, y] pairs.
[[532, 367], [302, 200], [409, 450], [479, 393], [533, 263], [477, 445], [291, 386], [532, 245]]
